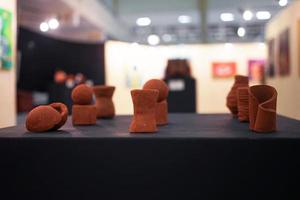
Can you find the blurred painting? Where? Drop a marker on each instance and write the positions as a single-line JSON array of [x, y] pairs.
[[256, 70], [223, 69], [284, 54], [270, 70], [6, 39]]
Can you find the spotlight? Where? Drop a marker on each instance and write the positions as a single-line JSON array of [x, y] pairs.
[[241, 32], [44, 27], [263, 15], [282, 3], [227, 17], [184, 19], [53, 23], [153, 39], [143, 21], [247, 15]]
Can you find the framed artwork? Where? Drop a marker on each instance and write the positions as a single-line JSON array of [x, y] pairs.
[[6, 34], [270, 69], [284, 53], [256, 69], [223, 69]]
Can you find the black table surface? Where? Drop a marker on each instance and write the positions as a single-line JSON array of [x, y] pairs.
[[185, 126], [194, 157]]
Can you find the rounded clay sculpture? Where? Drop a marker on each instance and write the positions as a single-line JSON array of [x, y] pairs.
[[82, 95], [104, 104], [262, 108], [144, 103], [243, 104], [43, 118], [63, 111], [161, 109], [231, 103]]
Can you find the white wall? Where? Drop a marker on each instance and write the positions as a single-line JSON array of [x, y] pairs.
[[151, 63], [288, 87], [8, 78]]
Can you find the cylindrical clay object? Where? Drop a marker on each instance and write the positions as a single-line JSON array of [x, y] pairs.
[[104, 104]]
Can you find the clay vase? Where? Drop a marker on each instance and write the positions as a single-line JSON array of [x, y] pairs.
[[243, 104], [104, 104], [63, 111], [161, 109], [144, 103], [262, 108], [231, 103]]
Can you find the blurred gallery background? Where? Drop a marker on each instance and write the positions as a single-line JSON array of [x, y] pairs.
[[196, 46]]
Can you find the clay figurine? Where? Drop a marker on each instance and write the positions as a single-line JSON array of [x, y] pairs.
[[104, 104], [243, 104], [47, 118], [231, 103], [161, 110], [144, 103], [83, 113], [262, 108]]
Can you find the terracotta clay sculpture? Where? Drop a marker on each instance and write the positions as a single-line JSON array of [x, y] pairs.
[[144, 103], [240, 81], [43, 118], [82, 95], [243, 104], [161, 109], [63, 111], [262, 108], [104, 104], [83, 113]]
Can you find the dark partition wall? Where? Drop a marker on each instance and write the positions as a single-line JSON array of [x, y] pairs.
[[41, 56]]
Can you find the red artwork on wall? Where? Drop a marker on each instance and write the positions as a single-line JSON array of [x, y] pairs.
[[223, 69]]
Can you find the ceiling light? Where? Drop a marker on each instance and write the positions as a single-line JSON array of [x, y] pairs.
[[263, 15], [53, 23], [227, 17], [153, 39], [247, 15], [241, 32], [282, 3], [184, 19], [167, 38], [44, 27], [143, 21]]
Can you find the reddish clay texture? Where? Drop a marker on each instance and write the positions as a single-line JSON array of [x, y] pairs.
[[104, 104], [161, 113], [243, 104], [240, 81], [84, 115], [161, 86], [262, 108], [42, 118], [144, 104], [63, 110], [162, 105], [82, 95]]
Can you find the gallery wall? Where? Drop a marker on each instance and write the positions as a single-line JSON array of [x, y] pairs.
[[286, 77], [128, 66], [8, 71]]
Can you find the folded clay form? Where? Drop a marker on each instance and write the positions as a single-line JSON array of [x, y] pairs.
[[243, 104], [161, 109], [82, 95], [262, 108], [231, 103], [44, 118], [83, 113], [144, 103], [104, 104]]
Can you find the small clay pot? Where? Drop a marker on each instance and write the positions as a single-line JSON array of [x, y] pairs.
[[42, 118], [144, 104], [82, 95], [262, 108], [104, 104], [231, 103], [243, 104], [161, 86], [63, 110]]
